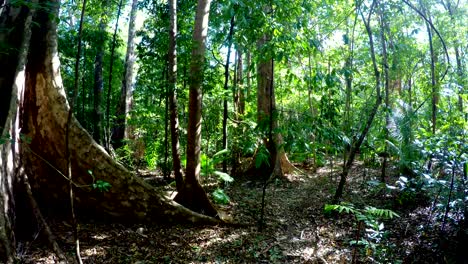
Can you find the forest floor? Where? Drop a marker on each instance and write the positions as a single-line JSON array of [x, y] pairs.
[[297, 230]]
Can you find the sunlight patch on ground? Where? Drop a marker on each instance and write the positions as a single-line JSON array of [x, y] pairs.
[[90, 252], [171, 194], [48, 260], [100, 237]]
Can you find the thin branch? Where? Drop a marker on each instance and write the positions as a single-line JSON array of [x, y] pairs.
[[438, 35], [67, 138]]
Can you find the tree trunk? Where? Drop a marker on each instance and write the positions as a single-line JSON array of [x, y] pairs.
[[387, 93], [192, 194], [226, 89], [434, 90], [107, 131], [240, 86], [174, 123], [266, 107], [12, 63], [349, 67], [121, 129], [33, 91], [98, 79], [267, 118], [370, 119]]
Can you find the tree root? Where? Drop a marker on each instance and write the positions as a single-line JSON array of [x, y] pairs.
[[42, 222]]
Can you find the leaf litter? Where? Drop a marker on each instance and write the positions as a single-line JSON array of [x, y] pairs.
[[297, 230]]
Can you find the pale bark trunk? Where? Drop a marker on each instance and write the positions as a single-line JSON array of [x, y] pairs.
[[121, 129], [37, 107], [174, 113], [192, 194]]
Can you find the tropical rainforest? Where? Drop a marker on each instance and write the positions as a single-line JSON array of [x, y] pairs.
[[299, 131]]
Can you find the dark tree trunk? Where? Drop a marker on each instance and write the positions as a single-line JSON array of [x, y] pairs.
[[226, 89], [174, 113], [349, 41], [248, 75], [107, 132], [370, 119], [387, 92], [31, 87], [240, 85], [434, 90], [12, 63], [192, 194], [82, 112], [98, 80]]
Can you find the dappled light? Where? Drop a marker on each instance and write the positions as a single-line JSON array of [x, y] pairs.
[[233, 131]]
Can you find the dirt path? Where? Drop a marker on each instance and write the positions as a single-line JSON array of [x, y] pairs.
[[296, 232]]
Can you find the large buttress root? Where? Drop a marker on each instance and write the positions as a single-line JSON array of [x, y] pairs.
[[44, 119]]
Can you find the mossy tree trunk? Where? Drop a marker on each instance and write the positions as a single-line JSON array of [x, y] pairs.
[[35, 120]]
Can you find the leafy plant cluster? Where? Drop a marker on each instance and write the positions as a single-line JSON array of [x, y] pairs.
[[368, 221]]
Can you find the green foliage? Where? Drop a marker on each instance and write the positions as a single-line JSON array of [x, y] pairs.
[[208, 166], [373, 240], [102, 186], [220, 197], [263, 157], [152, 155], [125, 155], [223, 176], [5, 139]]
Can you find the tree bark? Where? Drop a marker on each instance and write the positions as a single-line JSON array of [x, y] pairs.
[[98, 79], [226, 89], [266, 111], [240, 86], [387, 92], [12, 62], [267, 117], [108, 136], [121, 129], [174, 113], [37, 107], [434, 90], [192, 194]]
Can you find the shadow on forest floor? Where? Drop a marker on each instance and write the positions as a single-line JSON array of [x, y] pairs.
[[297, 230]]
